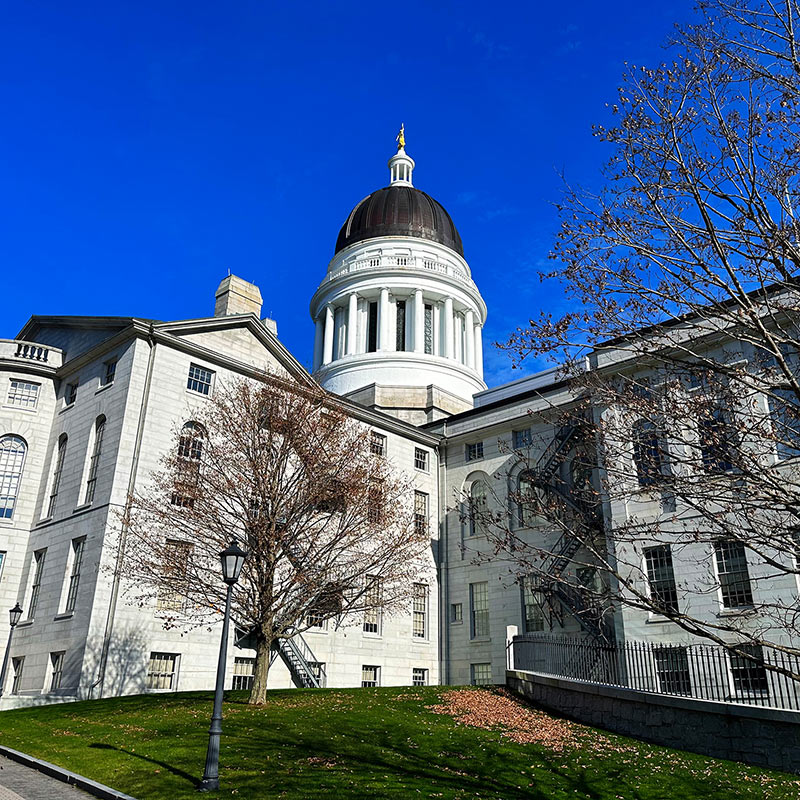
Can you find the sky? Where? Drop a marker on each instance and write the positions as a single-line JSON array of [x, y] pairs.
[[148, 148]]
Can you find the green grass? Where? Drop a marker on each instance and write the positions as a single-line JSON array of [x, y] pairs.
[[357, 743]]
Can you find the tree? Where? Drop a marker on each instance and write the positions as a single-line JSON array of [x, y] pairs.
[[683, 346], [328, 525]]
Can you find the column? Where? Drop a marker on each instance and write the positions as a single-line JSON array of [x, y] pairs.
[[437, 329], [419, 322], [479, 350], [327, 355], [383, 321], [319, 333], [449, 333], [469, 338], [458, 343], [352, 314]]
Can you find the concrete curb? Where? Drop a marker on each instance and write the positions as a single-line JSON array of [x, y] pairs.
[[61, 774]]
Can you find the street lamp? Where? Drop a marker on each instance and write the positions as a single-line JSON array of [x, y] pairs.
[[232, 558], [14, 615]]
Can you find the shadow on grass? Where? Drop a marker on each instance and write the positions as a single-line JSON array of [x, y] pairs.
[[193, 779]]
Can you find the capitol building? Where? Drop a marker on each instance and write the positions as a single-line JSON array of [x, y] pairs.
[[89, 405]]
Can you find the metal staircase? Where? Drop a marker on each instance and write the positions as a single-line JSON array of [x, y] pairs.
[[306, 671]]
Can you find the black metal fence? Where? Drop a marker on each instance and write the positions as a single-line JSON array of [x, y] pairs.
[[746, 674]]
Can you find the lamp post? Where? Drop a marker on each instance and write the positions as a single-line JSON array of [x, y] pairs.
[[232, 558], [14, 617]]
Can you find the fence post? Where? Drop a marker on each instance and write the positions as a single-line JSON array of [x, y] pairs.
[[511, 632]]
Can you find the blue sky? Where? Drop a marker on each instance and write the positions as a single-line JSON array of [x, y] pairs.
[[148, 148]]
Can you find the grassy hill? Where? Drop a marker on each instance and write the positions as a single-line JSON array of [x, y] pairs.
[[431, 742]]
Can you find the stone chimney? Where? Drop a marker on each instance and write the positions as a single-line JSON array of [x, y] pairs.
[[237, 296]]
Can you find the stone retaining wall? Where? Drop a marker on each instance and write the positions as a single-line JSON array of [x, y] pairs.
[[763, 736]]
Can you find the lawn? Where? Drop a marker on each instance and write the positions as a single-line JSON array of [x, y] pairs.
[[369, 743]]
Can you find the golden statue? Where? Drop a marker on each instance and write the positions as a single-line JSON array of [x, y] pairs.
[[401, 137]]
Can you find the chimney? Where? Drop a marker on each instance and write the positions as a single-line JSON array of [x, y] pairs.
[[237, 296]]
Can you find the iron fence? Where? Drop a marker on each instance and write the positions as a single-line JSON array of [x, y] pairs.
[[748, 674]]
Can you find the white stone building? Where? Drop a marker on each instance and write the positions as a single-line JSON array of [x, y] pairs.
[[89, 404]]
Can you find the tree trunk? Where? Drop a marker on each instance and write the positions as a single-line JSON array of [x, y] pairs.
[[258, 694]]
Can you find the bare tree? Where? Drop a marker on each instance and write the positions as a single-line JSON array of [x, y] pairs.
[[328, 525], [682, 346]]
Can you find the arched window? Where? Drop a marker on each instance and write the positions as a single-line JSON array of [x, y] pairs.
[[91, 480], [478, 494], [12, 460], [190, 454], [647, 452], [527, 499], [59, 468]]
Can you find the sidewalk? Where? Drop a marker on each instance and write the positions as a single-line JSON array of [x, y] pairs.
[[18, 782]]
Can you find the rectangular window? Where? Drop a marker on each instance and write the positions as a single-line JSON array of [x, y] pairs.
[[318, 671], [420, 512], [734, 577], [672, 669], [57, 662], [419, 676], [162, 671], [243, 673], [372, 328], [480, 674], [785, 414], [370, 675], [60, 455], [71, 393], [78, 546], [316, 621], [400, 338], [749, 675], [532, 615], [17, 664], [38, 567], [109, 372], [419, 620], [420, 459], [377, 443], [661, 578], [94, 462], [372, 614], [429, 329], [479, 609], [456, 612], [521, 439], [474, 451], [23, 394], [716, 440], [200, 379], [172, 593]]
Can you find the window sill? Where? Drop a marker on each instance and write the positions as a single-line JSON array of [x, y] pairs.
[[26, 623], [12, 407], [736, 612], [81, 507], [371, 635], [104, 387], [480, 639], [7, 522], [456, 621], [193, 393], [65, 615], [67, 408], [44, 520], [656, 620]]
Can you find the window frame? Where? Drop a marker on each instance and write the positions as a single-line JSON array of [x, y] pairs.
[[729, 588], [528, 592], [473, 674], [659, 585], [377, 444], [419, 676], [479, 623], [13, 455], [419, 611], [473, 451], [195, 380], [94, 459], [522, 438], [421, 512], [375, 680], [155, 658], [38, 560], [109, 372], [456, 617], [55, 484], [12, 396], [421, 459], [78, 549], [57, 670]]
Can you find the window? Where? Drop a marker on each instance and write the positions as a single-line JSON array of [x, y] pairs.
[[527, 499], [480, 674], [94, 462], [400, 337], [36, 583], [17, 665], [162, 671], [716, 442], [647, 451], [62, 452], [377, 443], [532, 614], [316, 620], [785, 414], [672, 669], [23, 394], [428, 331], [190, 454], [78, 546], [660, 576], [2, 562], [57, 662], [172, 594], [372, 328], [71, 393], [317, 669], [375, 500], [456, 612], [474, 451], [372, 599], [479, 609], [370, 675], [420, 512], [12, 460], [734, 578], [420, 459], [749, 675], [419, 622], [243, 673], [419, 676], [521, 439], [477, 508], [200, 379], [109, 371]]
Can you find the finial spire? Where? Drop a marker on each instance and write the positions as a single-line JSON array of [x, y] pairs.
[[401, 138], [401, 165]]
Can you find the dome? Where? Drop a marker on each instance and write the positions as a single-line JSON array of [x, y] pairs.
[[399, 210]]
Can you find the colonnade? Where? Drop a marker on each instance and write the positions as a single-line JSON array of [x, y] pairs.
[[431, 326]]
